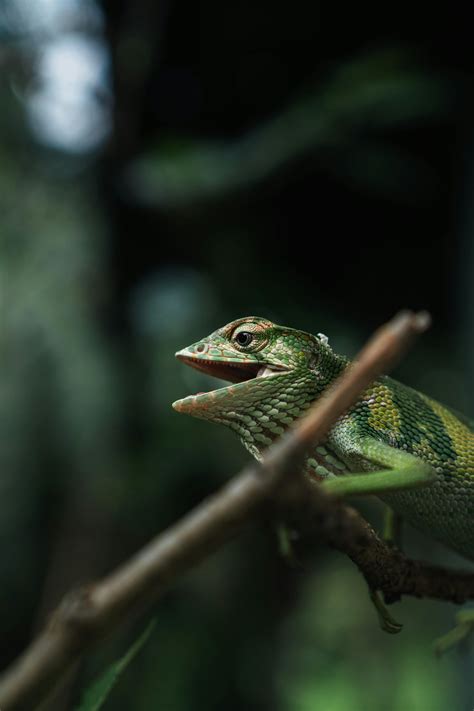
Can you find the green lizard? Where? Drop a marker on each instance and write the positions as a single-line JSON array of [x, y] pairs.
[[392, 442]]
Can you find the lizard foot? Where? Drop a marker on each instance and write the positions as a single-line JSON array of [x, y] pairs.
[[458, 634], [386, 621]]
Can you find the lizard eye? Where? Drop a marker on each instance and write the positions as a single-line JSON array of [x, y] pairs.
[[244, 338]]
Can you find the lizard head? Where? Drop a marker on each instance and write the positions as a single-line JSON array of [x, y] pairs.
[[274, 373]]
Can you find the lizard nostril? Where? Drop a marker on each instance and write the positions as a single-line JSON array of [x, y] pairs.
[[201, 348]]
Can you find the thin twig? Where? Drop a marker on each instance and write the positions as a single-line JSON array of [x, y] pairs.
[[97, 609]]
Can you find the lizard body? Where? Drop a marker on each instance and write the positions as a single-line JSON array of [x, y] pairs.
[[391, 442]]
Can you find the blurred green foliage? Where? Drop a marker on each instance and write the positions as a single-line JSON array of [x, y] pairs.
[[338, 123], [96, 695]]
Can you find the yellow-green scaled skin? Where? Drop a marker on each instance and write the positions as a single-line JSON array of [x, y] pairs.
[[260, 409]]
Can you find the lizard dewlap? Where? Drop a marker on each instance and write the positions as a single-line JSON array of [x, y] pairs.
[[416, 454]]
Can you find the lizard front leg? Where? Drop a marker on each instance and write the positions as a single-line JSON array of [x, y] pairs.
[[401, 471]]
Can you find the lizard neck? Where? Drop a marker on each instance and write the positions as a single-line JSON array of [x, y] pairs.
[[261, 411]]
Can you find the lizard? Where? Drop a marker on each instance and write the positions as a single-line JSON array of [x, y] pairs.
[[395, 442]]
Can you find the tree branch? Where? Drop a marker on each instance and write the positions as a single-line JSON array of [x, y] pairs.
[[97, 609]]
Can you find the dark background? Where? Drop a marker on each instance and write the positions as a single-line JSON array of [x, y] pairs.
[[166, 168]]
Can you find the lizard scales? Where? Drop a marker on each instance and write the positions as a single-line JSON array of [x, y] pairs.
[[276, 373]]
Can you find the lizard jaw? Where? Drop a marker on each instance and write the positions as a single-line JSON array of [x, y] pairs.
[[238, 373]]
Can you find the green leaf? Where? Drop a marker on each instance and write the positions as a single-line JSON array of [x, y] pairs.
[[96, 694]]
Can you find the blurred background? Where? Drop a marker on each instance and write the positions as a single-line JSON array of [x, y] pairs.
[[166, 167]]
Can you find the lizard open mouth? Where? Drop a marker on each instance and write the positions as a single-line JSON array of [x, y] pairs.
[[235, 372]]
